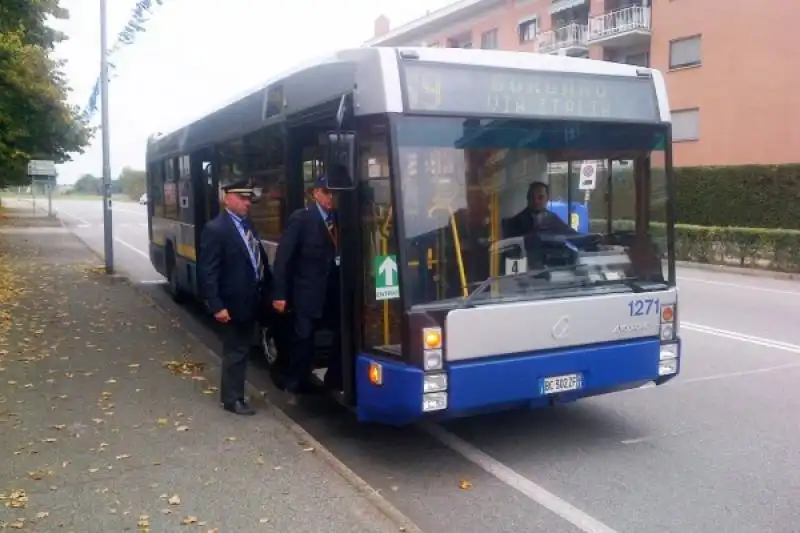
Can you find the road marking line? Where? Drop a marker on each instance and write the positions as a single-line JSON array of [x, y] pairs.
[[534, 492], [737, 285], [761, 341], [743, 373], [132, 248]]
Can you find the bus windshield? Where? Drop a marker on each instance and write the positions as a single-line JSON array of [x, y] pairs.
[[467, 208]]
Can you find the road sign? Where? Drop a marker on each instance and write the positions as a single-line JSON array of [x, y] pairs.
[[385, 270], [588, 179], [39, 167]]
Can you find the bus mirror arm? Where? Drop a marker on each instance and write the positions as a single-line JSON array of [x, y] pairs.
[[341, 160]]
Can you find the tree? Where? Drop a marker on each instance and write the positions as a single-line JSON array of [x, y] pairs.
[[36, 122], [88, 184], [132, 182]]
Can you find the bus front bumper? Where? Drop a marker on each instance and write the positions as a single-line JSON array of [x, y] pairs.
[[532, 380]]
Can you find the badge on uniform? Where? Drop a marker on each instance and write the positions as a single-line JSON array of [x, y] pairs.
[[337, 260]]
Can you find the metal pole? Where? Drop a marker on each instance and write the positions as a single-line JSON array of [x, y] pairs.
[[49, 200], [107, 227]]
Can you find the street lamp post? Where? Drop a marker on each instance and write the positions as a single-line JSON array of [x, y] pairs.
[[107, 227]]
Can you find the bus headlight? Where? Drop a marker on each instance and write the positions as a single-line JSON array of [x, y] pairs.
[[433, 360], [434, 401], [434, 382]]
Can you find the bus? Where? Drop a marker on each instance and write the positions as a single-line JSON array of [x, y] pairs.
[[430, 152]]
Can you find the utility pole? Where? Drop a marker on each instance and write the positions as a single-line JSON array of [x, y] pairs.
[[107, 222]]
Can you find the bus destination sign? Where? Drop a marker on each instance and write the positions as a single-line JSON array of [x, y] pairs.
[[470, 90]]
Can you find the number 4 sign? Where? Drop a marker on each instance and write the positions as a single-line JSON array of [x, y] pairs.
[[516, 266]]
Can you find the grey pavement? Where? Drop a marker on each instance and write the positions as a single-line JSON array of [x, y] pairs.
[[110, 419], [714, 451]]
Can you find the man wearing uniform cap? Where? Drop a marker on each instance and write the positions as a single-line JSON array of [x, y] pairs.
[[235, 282], [536, 217], [306, 285]]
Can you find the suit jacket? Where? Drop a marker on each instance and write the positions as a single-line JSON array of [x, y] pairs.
[[226, 274], [304, 263], [523, 223]]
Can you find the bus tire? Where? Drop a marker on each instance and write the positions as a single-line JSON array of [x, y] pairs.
[[173, 287], [268, 347]]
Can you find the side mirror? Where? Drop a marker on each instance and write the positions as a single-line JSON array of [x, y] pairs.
[[341, 160]]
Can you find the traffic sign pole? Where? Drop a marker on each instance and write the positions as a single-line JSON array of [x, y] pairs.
[[107, 227]]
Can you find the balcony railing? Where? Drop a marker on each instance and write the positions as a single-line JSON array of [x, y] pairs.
[[570, 36], [618, 22]]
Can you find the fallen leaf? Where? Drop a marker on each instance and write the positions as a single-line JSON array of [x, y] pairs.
[[260, 460], [112, 380], [162, 421], [19, 523], [182, 428], [263, 520], [174, 500], [59, 427], [133, 365], [42, 514], [18, 499], [189, 520], [464, 485], [50, 439], [230, 439], [144, 521], [123, 456], [309, 449]]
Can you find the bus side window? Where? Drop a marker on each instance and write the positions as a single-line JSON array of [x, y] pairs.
[[156, 192], [267, 166]]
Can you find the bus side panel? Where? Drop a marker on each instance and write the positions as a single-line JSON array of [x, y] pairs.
[[397, 401]]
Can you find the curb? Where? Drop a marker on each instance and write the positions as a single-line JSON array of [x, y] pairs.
[[742, 271], [404, 524]]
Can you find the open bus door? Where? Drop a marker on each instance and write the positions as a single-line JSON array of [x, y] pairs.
[[317, 134]]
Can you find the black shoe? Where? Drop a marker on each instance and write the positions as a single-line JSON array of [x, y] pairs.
[[239, 408]]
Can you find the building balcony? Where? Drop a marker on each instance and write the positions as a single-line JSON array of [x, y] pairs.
[[569, 40], [557, 6], [623, 28]]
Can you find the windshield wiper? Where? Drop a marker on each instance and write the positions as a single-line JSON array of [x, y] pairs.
[[521, 275]]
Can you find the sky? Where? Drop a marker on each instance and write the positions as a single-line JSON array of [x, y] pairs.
[[196, 55]]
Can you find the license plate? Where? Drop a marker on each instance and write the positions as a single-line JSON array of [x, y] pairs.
[[564, 383]]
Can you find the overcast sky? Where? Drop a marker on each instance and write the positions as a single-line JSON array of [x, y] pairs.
[[197, 54]]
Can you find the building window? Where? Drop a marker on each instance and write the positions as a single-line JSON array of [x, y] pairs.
[[528, 30], [640, 60], [686, 125], [489, 39], [685, 52], [463, 40]]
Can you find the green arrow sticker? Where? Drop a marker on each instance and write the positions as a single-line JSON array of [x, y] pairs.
[[385, 272]]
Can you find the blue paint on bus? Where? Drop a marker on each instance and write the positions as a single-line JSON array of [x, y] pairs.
[[507, 382]]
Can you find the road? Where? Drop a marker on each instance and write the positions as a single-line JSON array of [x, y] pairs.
[[712, 452]]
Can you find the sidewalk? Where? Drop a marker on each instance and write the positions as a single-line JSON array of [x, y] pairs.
[[102, 433]]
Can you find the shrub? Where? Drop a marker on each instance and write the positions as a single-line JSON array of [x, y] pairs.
[[764, 248]]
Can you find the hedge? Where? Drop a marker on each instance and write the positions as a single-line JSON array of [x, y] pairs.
[[750, 196], [770, 249]]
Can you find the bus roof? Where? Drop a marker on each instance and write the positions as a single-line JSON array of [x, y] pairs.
[[375, 71]]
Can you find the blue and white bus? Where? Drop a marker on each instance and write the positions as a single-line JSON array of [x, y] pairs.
[[431, 151]]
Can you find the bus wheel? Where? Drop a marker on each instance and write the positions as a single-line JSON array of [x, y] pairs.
[[173, 287], [268, 347]]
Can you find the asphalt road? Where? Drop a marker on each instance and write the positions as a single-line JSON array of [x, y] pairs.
[[715, 451]]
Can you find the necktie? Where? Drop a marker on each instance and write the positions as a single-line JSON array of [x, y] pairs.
[[254, 246]]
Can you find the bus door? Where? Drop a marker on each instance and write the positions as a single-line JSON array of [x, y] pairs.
[[306, 150]]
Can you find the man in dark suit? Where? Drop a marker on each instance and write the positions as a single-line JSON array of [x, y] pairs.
[[235, 282], [536, 217], [306, 285]]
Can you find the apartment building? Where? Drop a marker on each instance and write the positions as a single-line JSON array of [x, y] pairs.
[[733, 95]]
